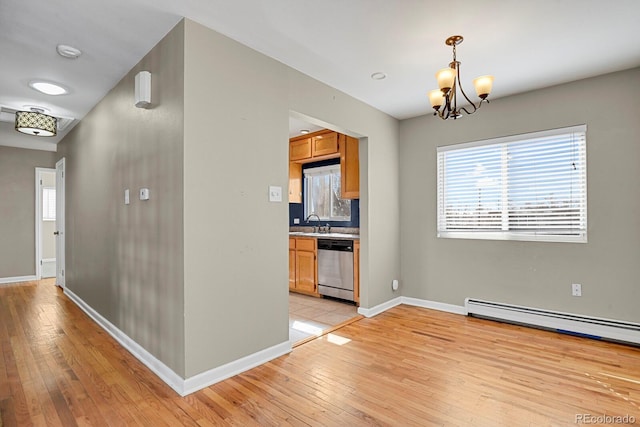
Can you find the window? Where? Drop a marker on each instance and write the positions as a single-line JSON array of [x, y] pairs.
[[524, 187], [322, 194], [48, 204]]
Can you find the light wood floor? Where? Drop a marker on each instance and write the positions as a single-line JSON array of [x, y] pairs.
[[407, 366]]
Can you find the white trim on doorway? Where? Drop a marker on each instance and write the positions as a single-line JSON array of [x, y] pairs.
[[38, 219], [60, 222]]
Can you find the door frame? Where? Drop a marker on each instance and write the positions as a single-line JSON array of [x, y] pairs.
[[60, 222], [38, 219]]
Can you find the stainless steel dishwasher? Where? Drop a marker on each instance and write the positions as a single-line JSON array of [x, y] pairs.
[[335, 268]]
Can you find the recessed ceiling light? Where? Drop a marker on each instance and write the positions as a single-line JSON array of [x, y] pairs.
[[378, 76], [67, 51], [48, 88], [304, 131]]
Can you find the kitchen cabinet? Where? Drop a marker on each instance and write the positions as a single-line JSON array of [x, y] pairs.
[[299, 149], [349, 167], [315, 146], [303, 265], [324, 144], [321, 145], [295, 182], [292, 264], [356, 271]]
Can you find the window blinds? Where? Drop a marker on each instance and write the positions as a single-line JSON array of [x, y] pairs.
[[525, 187]]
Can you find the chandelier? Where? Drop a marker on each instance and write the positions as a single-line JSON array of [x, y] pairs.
[[445, 100]]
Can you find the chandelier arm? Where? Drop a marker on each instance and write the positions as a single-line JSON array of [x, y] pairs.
[[454, 90], [466, 111], [446, 109], [475, 108]]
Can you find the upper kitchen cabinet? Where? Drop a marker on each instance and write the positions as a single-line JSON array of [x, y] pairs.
[[349, 167], [299, 149], [322, 145], [295, 182], [314, 146]]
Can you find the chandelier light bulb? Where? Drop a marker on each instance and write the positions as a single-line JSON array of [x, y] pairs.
[[483, 85], [436, 97], [445, 78]]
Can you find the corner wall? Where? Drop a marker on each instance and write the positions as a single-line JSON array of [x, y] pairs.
[[237, 106], [126, 261], [535, 274]]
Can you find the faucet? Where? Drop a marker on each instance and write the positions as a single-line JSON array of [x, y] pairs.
[[315, 227]]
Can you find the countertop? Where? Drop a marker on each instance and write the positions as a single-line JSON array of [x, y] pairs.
[[342, 236]]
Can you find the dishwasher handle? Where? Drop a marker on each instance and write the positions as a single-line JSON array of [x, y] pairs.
[[335, 245]]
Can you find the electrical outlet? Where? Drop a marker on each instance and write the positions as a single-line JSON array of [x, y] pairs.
[[576, 290]]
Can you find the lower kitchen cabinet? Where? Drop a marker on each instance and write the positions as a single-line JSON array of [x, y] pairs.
[[292, 264], [303, 265]]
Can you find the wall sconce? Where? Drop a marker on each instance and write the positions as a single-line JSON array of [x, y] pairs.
[[143, 89]]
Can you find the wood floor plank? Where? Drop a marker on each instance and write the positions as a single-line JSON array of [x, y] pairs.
[[408, 366]]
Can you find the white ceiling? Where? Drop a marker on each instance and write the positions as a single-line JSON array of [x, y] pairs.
[[526, 45]]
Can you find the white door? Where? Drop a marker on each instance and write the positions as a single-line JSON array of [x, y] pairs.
[[60, 236]]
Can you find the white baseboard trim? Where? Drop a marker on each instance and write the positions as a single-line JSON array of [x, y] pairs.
[[176, 382], [380, 308], [212, 376], [165, 373], [17, 279], [434, 305]]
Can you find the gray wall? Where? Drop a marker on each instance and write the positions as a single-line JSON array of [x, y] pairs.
[[127, 261], [198, 275], [528, 273], [237, 105], [17, 208]]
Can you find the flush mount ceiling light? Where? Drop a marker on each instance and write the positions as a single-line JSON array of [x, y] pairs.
[[304, 131], [48, 88], [67, 51], [378, 76], [449, 84], [36, 123]]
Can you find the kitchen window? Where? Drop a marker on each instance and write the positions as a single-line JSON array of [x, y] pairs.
[[524, 187], [322, 194]]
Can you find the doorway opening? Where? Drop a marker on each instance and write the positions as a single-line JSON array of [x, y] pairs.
[[314, 217], [45, 222]]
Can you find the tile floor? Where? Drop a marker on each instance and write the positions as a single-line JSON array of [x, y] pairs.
[[310, 316]]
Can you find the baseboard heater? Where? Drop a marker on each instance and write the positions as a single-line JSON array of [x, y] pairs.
[[574, 324]]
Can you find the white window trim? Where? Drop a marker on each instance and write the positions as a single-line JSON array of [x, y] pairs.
[[580, 237]]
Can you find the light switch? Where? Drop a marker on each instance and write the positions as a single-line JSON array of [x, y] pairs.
[[126, 196], [144, 194], [275, 193]]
